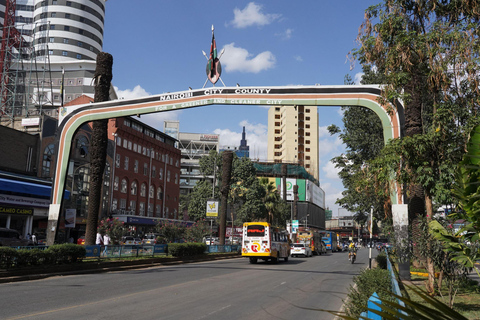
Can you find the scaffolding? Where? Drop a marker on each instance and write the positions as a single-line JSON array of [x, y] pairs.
[[25, 75]]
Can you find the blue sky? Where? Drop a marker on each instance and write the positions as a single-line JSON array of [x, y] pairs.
[[157, 48]]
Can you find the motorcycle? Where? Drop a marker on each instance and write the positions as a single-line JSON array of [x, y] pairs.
[[352, 255]]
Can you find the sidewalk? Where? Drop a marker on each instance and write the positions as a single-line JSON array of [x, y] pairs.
[[86, 267]]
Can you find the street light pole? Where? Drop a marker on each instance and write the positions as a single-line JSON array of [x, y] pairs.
[[112, 179], [370, 249]]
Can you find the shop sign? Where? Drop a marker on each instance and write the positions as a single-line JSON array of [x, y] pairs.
[[16, 210]]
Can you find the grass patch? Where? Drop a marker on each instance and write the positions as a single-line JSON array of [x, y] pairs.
[[467, 300]]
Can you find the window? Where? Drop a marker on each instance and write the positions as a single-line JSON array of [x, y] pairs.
[[133, 188], [69, 3], [141, 209], [65, 40], [50, 52], [123, 204], [125, 163], [123, 188], [134, 147], [135, 166], [160, 174], [51, 39], [80, 43], [129, 145], [114, 204], [64, 53], [117, 161], [79, 56], [150, 209], [66, 28], [176, 178], [53, 14], [133, 206], [145, 169], [151, 192], [119, 141], [115, 183], [67, 15], [125, 143], [52, 27], [158, 209], [159, 193], [154, 170], [47, 160], [143, 190], [168, 176], [307, 126]]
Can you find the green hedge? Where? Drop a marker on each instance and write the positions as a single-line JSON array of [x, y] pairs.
[[381, 260], [186, 249], [56, 254], [366, 283]]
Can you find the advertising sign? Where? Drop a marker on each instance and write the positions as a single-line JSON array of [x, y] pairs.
[[70, 216], [212, 209], [290, 183], [294, 226], [315, 194]]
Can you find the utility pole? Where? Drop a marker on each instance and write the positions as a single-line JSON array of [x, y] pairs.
[[295, 209]]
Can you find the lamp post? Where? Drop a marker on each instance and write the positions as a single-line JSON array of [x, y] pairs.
[[112, 179], [306, 220]]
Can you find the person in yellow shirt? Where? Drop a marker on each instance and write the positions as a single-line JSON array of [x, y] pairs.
[[352, 250]]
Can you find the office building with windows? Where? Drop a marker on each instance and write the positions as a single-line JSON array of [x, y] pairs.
[[293, 136]]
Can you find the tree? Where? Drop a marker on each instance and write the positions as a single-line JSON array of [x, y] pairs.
[[98, 147], [271, 200], [428, 54]]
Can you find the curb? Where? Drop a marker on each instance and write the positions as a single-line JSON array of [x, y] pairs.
[[65, 270]]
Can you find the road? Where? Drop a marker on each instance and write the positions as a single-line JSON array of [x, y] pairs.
[[223, 289]]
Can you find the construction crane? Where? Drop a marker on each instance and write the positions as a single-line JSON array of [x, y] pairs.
[[11, 39]]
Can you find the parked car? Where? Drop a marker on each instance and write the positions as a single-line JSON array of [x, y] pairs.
[[12, 238], [150, 238], [297, 249], [215, 241], [128, 240], [137, 241]]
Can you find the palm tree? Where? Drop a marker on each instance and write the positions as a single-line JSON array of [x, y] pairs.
[[271, 199]]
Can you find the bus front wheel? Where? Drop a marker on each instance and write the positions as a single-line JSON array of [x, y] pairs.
[[253, 260]]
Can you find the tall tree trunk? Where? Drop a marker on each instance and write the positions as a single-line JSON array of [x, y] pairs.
[[430, 265], [227, 158], [98, 145]]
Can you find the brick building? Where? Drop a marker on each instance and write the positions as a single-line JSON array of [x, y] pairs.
[[146, 174]]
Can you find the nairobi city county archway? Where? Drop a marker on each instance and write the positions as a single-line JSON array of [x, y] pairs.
[[391, 115]]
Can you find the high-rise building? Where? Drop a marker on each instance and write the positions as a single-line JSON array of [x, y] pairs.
[[58, 36], [293, 136]]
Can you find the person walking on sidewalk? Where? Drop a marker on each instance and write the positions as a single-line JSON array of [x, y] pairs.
[[106, 242]]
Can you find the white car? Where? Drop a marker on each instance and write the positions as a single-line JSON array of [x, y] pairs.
[[297, 249]]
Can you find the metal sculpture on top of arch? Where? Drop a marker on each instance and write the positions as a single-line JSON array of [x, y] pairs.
[[391, 116]]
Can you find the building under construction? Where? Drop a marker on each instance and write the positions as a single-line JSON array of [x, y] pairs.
[[47, 58]]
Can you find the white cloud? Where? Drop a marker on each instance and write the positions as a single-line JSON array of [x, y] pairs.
[[137, 92], [239, 59], [331, 171], [256, 135], [252, 15], [298, 58], [287, 34], [358, 77]]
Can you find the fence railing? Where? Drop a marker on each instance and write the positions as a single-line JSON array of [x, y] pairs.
[[374, 297]]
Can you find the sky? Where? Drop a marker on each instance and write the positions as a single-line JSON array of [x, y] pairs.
[[157, 48]]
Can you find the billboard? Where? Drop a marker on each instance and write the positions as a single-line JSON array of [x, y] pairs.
[[290, 183], [315, 194]]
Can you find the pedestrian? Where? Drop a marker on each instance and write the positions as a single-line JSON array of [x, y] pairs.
[[34, 239], [99, 240], [106, 242]]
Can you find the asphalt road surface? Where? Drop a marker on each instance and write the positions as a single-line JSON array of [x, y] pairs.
[[224, 289]]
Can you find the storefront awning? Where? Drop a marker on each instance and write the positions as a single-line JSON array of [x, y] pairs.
[[27, 188]]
